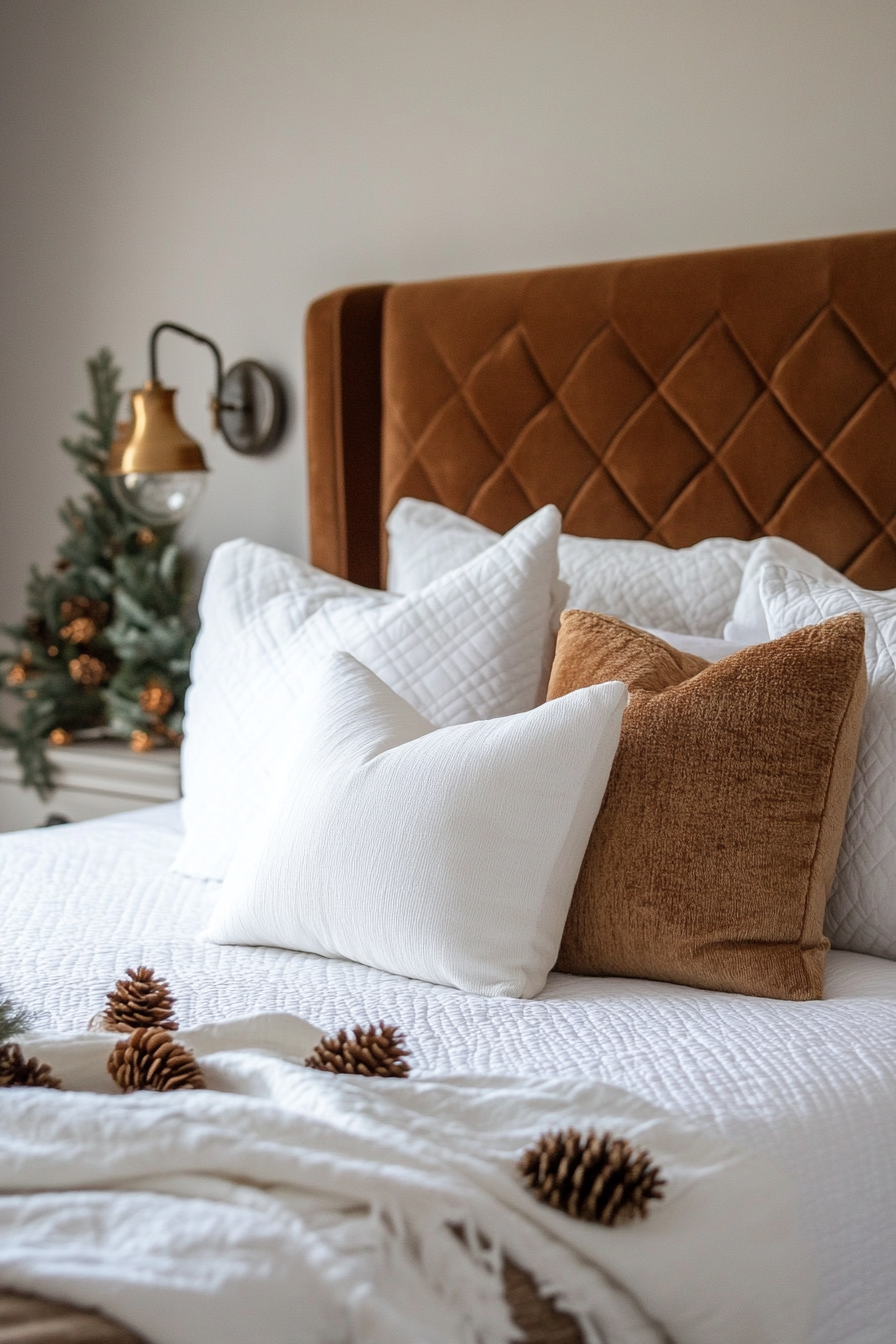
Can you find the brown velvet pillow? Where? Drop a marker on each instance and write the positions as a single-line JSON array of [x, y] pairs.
[[711, 858]]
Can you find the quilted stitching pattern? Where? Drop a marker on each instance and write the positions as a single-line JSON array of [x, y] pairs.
[[748, 624], [861, 911], [692, 590], [811, 1084], [471, 646], [735, 393]]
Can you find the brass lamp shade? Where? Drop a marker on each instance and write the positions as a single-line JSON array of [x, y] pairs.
[[125, 431], [157, 444]]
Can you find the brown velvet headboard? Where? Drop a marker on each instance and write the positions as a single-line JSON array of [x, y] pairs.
[[735, 393]]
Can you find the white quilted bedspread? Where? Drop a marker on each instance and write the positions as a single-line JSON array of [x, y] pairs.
[[812, 1084]]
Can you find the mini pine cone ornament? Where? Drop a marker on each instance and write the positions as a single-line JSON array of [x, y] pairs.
[[155, 699], [374, 1052], [139, 999], [88, 671], [17, 675], [150, 1060], [601, 1180], [17, 1071]]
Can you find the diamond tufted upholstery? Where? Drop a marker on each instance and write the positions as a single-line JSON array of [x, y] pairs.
[[737, 393]]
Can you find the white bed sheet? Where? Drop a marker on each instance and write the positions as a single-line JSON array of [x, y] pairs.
[[813, 1084]]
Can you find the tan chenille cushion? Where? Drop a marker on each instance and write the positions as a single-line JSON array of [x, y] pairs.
[[711, 858]]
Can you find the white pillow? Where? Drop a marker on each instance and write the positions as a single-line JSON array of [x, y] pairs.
[[470, 646], [692, 590], [748, 624], [861, 912], [427, 540], [713, 650], [448, 855]]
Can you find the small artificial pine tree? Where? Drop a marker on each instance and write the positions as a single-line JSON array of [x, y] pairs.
[[105, 646]]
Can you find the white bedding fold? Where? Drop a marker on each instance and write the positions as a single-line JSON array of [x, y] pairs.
[[812, 1085], [298, 1205]]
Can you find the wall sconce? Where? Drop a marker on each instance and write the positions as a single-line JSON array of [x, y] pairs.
[[158, 472]]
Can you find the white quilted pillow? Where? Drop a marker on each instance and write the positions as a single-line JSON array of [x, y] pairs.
[[469, 646], [748, 624], [861, 912], [448, 855], [692, 590]]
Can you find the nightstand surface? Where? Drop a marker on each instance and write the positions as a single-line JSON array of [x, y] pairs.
[[93, 780]]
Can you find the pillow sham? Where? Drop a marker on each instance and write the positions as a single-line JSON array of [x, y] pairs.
[[713, 650], [748, 624], [710, 862], [692, 590], [469, 646], [447, 855], [861, 914]]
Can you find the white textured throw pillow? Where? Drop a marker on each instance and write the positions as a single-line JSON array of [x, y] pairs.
[[748, 624], [448, 855], [692, 590], [469, 646], [861, 912]]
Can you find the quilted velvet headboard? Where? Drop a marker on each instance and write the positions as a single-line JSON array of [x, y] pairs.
[[735, 393]]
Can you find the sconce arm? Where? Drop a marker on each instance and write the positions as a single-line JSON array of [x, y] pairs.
[[194, 336], [251, 420]]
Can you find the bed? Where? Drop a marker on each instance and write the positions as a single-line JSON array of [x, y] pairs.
[[740, 393]]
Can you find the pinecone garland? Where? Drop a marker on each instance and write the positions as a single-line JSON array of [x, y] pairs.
[[602, 1180], [140, 1000], [17, 1071], [150, 1060], [371, 1053]]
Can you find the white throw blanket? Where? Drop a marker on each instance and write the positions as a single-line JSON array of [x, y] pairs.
[[289, 1205]]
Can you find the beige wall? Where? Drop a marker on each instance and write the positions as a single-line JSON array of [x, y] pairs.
[[220, 163]]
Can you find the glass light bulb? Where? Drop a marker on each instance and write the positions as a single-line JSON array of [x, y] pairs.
[[159, 498]]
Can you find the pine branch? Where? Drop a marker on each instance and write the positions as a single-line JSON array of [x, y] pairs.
[[13, 1021], [91, 450]]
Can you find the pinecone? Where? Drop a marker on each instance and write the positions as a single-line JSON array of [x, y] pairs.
[[372, 1052], [87, 671], [155, 699], [150, 1059], [138, 1001], [602, 1180], [84, 608], [17, 1071]]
